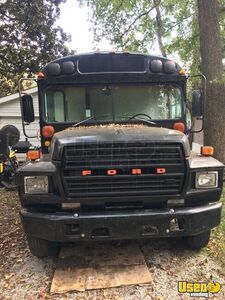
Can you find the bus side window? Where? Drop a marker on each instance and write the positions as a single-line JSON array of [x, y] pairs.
[[55, 106]]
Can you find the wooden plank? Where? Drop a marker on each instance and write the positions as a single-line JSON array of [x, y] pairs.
[[98, 266]]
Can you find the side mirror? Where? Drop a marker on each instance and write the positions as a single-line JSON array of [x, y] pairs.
[[197, 103], [27, 108]]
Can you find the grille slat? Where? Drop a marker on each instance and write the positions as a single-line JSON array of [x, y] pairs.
[[116, 165], [152, 186], [118, 183], [99, 157], [122, 193]]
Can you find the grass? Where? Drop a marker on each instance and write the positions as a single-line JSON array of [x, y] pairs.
[[216, 246]]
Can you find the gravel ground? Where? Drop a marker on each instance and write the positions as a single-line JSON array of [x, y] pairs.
[[24, 277]]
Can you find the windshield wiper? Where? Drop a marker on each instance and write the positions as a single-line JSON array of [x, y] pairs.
[[88, 119], [83, 121], [145, 121], [130, 118]]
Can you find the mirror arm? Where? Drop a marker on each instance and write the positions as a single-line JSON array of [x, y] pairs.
[[204, 100], [20, 96]]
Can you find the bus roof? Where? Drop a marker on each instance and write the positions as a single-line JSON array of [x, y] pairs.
[[112, 63]]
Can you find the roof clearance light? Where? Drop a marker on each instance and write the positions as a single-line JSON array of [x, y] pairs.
[[54, 69], [41, 75], [68, 67], [179, 126], [169, 67], [156, 65], [48, 131], [207, 150]]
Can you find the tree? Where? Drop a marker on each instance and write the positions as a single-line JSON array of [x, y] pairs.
[[138, 24], [28, 39], [211, 66]]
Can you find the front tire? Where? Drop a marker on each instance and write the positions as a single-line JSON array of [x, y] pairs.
[[42, 248], [199, 241]]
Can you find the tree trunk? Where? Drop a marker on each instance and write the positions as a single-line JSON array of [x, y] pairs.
[[159, 29], [212, 68]]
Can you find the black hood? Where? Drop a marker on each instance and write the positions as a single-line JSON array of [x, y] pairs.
[[116, 133]]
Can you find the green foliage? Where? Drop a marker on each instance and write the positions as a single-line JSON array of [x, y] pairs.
[[28, 39], [132, 25], [216, 247]]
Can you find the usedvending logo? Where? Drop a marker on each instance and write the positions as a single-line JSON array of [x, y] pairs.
[[199, 289]]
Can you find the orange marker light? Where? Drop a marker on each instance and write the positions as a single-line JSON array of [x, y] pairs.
[[179, 126], [207, 150], [136, 171], [33, 154], [160, 170], [48, 131], [47, 143], [86, 172], [41, 75], [111, 172], [181, 72]]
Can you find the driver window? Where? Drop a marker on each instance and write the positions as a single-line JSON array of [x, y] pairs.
[[55, 106]]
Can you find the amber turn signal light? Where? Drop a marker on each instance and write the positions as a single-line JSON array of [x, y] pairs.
[[207, 150], [41, 75], [179, 126], [181, 72], [33, 154], [47, 143], [48, 131]]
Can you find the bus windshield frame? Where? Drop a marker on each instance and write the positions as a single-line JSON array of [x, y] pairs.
[[111, 102]]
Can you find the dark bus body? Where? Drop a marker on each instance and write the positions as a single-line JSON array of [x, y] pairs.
[[113, 166]]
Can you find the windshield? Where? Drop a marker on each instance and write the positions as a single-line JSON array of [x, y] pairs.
[[116, 103]]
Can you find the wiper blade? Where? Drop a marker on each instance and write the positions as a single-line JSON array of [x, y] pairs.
[[148, 121], [142, 120], [83, 121], [88, 119]]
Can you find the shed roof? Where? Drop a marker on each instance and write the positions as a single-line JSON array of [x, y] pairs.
[[16, 96]]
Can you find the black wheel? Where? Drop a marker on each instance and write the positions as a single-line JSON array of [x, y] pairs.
[[196, 242], [42, 248]]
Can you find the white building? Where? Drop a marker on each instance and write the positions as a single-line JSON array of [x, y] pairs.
[[10, 114]]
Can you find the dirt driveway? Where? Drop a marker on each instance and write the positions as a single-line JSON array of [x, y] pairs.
[[23, 276]]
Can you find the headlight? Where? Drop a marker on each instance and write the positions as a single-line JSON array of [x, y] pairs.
[[206, 180], [36, 184]]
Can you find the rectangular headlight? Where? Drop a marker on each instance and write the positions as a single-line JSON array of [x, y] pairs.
[[36, 184], [206, 179]]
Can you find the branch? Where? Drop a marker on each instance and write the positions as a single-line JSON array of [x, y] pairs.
[[7, 17], [159, 29], [139, 17], [221, 10]]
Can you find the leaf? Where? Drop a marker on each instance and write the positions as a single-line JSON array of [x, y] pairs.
[[28, 39]]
